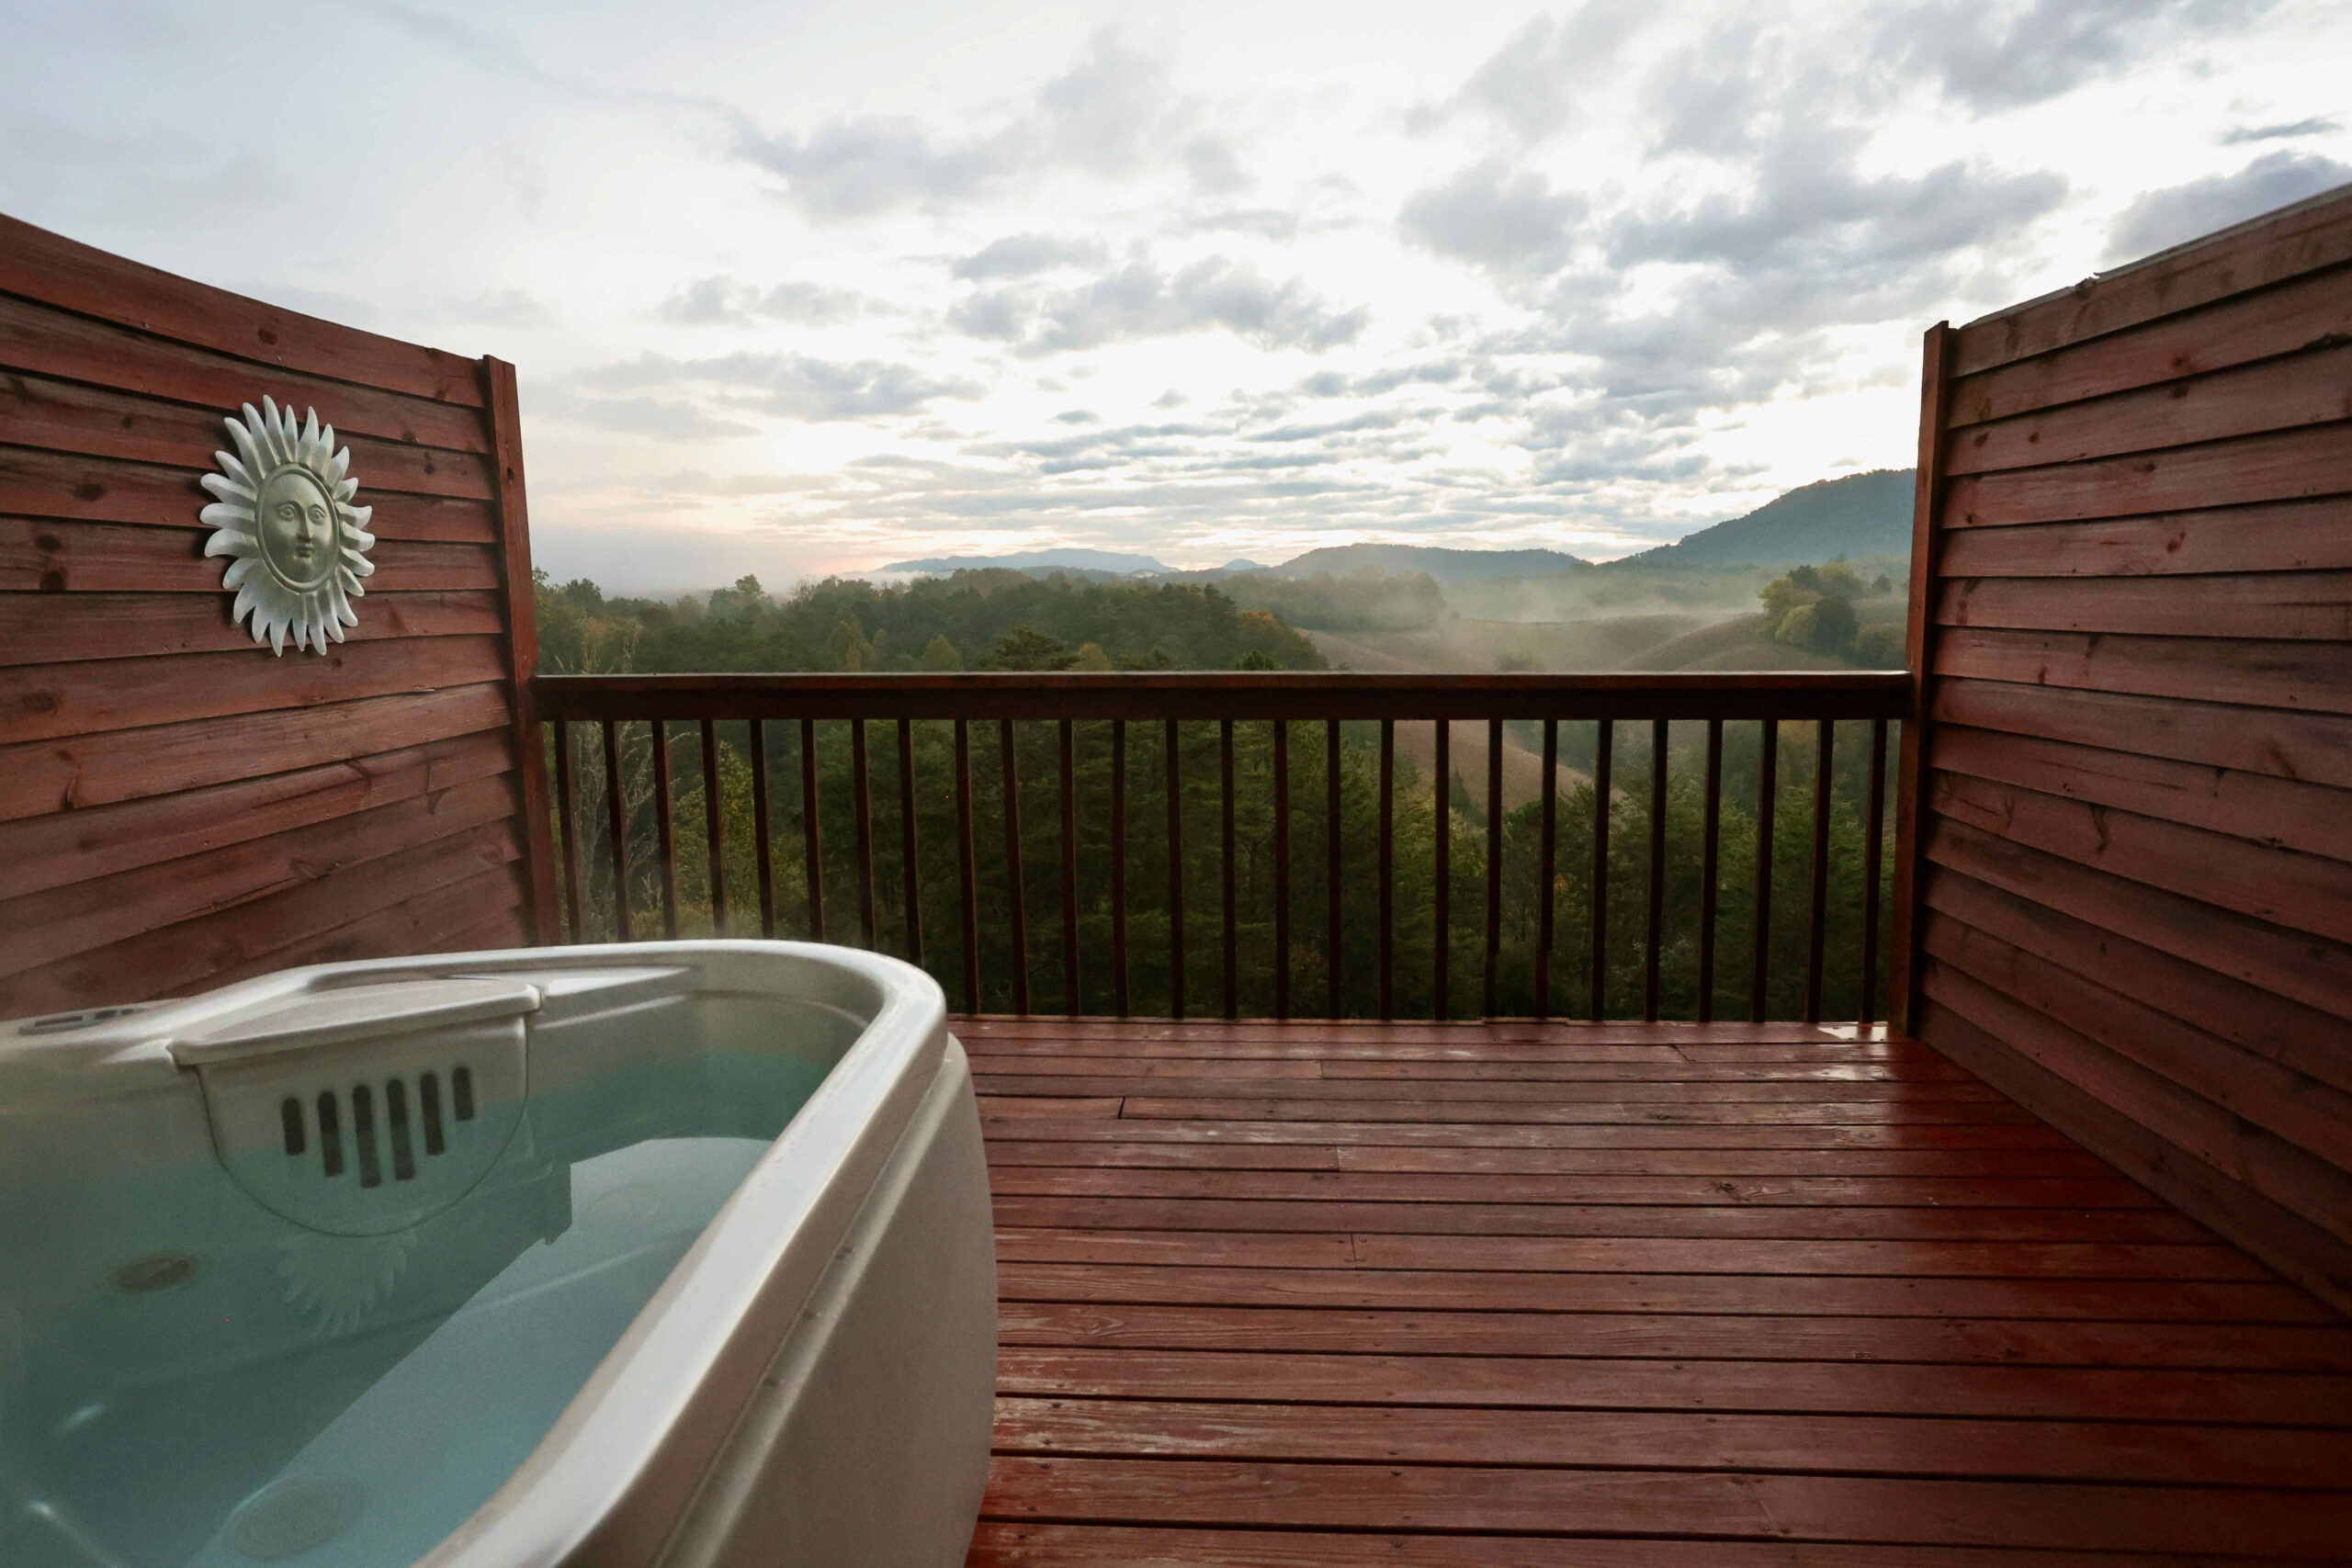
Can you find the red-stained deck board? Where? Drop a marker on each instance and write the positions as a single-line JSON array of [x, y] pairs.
[[1622, 1296]]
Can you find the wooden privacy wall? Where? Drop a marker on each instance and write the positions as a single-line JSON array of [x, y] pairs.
[[178, 806], [2134, 794]]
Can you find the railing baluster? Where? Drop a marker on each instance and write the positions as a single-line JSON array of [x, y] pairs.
[[862, 802], [908, 846], [1282, 868], [1332, 846], [812, 832], [1016, 887], [714, 814], [1173, 760], [1388, 873], [1545, 869], [664, 833], [1874, 832], [1711, 843], [1494, 865], [567, 824], [1119, 866], [1441, 915], [1069, 870], [1232, 927], [1653, 930], [1604, 743], [617, 827], [765, 856], [1767, 795], [967, 868], [1816, 940]]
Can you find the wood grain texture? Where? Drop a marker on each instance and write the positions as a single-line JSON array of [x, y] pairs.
[[2310, 388], [2294, 536], [1233, 1342], [2310, 605], [135, 764], [39, 265], [2308, 676], [179, 806], [40, 340], [2311, 237], [65, 416], [2305, 313]]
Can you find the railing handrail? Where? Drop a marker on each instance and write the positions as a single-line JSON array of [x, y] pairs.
[[1228, 694]]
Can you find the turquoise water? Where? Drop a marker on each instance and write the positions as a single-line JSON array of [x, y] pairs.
[[187, 1381]]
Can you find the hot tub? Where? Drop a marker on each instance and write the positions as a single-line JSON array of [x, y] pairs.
[[674, 1252]]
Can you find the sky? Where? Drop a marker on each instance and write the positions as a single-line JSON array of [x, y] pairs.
[[797, 288]]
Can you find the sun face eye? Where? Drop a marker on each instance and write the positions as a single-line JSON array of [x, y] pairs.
[[319, 517], [290, 511]]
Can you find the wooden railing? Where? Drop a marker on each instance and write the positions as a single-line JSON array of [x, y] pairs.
[[614, 735]]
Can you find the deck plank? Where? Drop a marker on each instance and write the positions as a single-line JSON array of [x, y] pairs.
[[1618, 1295]]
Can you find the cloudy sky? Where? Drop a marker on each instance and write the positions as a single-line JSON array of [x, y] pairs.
[[797, 288]]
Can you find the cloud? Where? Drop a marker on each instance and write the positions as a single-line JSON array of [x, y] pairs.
[[664, 420], [2162, 219], [1112, 113], [1988, 57], [1805, 204], [1025, 255], [789, 386], [1140, 301], [511, 308], [1532, 85], [1507, 221], [2314, 127], [720, 300], [856, 168]]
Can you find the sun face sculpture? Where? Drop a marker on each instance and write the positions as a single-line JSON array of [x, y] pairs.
[[282, 508]]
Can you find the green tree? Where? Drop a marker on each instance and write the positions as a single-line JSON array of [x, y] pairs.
[[939, 654], [1026, 647]]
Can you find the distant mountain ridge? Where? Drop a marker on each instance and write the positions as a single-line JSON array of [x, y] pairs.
[[1445, 564], [1855, 516], [1028, 561]]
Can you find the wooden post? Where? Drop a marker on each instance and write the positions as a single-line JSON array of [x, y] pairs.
[[522, 643], [1926, 550]]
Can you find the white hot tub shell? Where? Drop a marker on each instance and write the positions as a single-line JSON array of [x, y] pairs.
[[664, 1253]]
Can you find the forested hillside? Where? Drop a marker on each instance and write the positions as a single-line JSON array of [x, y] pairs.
[[950, 623], [1009, 621]]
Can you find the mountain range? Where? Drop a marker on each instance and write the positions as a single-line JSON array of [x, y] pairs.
[[1853, 517], [1859, 514]]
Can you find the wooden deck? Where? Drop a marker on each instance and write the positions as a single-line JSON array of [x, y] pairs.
[[1620, 1295]]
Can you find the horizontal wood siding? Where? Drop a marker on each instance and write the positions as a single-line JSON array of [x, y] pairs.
[[178, 806], [2133, 906]]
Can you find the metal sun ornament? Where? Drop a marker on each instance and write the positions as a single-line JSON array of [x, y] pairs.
[[282, 508]]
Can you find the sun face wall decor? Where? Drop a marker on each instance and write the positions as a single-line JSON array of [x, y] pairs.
[[282, 508]]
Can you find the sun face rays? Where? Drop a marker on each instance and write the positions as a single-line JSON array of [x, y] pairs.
[[281, 510]]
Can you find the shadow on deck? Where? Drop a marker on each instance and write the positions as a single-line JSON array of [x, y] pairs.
[[1614, 1294]]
